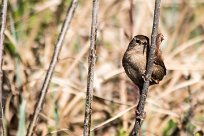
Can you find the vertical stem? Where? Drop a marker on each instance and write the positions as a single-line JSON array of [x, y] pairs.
[[131, 12], [91, 62], [52, 65], [140, 108], [3, 26]]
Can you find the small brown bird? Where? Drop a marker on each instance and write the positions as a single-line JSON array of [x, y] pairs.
[[135, 58]]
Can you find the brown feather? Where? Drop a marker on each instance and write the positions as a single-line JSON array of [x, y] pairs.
[[135, 58]]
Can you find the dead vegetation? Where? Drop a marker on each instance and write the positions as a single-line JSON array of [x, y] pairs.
[[30, 36]]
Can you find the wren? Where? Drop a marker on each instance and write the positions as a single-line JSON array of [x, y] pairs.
[[135, 59]]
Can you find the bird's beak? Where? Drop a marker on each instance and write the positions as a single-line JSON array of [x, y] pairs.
[[145, 46]]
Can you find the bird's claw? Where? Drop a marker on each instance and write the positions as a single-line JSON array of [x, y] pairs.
[[145, 78], [154, 81]]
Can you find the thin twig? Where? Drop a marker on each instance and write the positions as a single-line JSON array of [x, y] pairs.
[[91, 62], [114, 117], [131, 12], [188, 115], [52, 65], [3, 26], [140, 108]]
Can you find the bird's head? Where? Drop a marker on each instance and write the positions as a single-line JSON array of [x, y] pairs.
[[139, 41]]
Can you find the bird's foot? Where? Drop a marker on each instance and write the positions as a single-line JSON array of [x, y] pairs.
[[154, 81], [145, 78]]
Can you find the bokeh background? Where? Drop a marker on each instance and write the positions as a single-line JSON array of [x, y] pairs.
[[174, 107]]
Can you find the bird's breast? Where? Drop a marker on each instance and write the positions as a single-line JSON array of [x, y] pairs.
[[139, 60]]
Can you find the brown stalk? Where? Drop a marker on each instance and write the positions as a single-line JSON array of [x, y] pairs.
[[52, 65], [3, 26], [140, 108], [91, 63], [131, 12]]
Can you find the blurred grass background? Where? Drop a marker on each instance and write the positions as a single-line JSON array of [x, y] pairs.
[[174, 107]]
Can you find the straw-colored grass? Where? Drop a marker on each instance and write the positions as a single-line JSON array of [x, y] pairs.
[[32, 29]]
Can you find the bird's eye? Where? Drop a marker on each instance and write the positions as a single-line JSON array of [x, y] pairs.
[[137, 41]]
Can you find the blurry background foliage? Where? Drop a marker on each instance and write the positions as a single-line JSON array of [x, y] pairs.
[[174, 107]]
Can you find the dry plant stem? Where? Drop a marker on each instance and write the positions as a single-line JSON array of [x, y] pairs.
[[3, 26], [90, 78], [140, 108], [131, 11], [52, 65]]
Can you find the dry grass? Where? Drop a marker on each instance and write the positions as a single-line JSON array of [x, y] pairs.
[[32, 29]]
